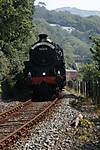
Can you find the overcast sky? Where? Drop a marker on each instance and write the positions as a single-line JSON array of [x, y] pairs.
[[81, 4]]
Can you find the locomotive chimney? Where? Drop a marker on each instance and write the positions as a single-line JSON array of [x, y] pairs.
[[43, 37]]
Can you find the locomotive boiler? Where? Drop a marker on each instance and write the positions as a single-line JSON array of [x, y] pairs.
[[45, 68]]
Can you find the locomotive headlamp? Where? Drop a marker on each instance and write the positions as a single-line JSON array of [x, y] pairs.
[[58, 72], [44, 73]]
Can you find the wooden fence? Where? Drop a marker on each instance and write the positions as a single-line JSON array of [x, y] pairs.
[[89, 89]]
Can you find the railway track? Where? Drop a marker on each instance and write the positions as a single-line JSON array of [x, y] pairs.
[[12, 111], [16, 122]]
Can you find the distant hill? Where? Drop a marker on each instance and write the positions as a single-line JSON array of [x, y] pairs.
[[76, 11], [90, 24], [70, 31]]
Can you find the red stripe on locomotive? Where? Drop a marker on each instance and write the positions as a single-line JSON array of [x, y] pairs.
[[49, 80], [39, 80]]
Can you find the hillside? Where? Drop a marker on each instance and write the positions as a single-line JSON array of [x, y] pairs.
[[91, 23], [76, 11], [70, 31]]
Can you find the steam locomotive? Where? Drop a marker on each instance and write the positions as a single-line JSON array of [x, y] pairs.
[[45, 68]]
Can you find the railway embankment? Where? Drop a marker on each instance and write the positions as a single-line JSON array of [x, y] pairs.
[[56, 132]]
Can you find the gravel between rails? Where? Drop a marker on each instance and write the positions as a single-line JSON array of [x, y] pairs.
[[55, 133]]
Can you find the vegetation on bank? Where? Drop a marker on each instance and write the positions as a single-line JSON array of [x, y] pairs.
[[91, 72], [17, 32]]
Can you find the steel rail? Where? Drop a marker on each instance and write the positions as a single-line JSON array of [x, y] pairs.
[[22, 131], [5, 115]]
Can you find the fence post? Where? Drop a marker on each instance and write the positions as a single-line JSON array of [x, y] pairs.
[[98, 92]]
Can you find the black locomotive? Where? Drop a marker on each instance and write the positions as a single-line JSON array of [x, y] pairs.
[[45, 68]]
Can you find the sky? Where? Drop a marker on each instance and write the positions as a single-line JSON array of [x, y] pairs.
[[81, 4]]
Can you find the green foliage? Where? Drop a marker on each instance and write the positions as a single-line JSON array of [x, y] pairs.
[[96, 51], [16, 34], [16, 19], [16, 30], [84, 134], [84, 130], [91, 72], [88, 72], [85, 123]]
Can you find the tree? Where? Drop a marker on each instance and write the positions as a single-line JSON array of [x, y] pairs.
[[88, 72], [42, 4], [95, 50], [16, 28], [91, 72]]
